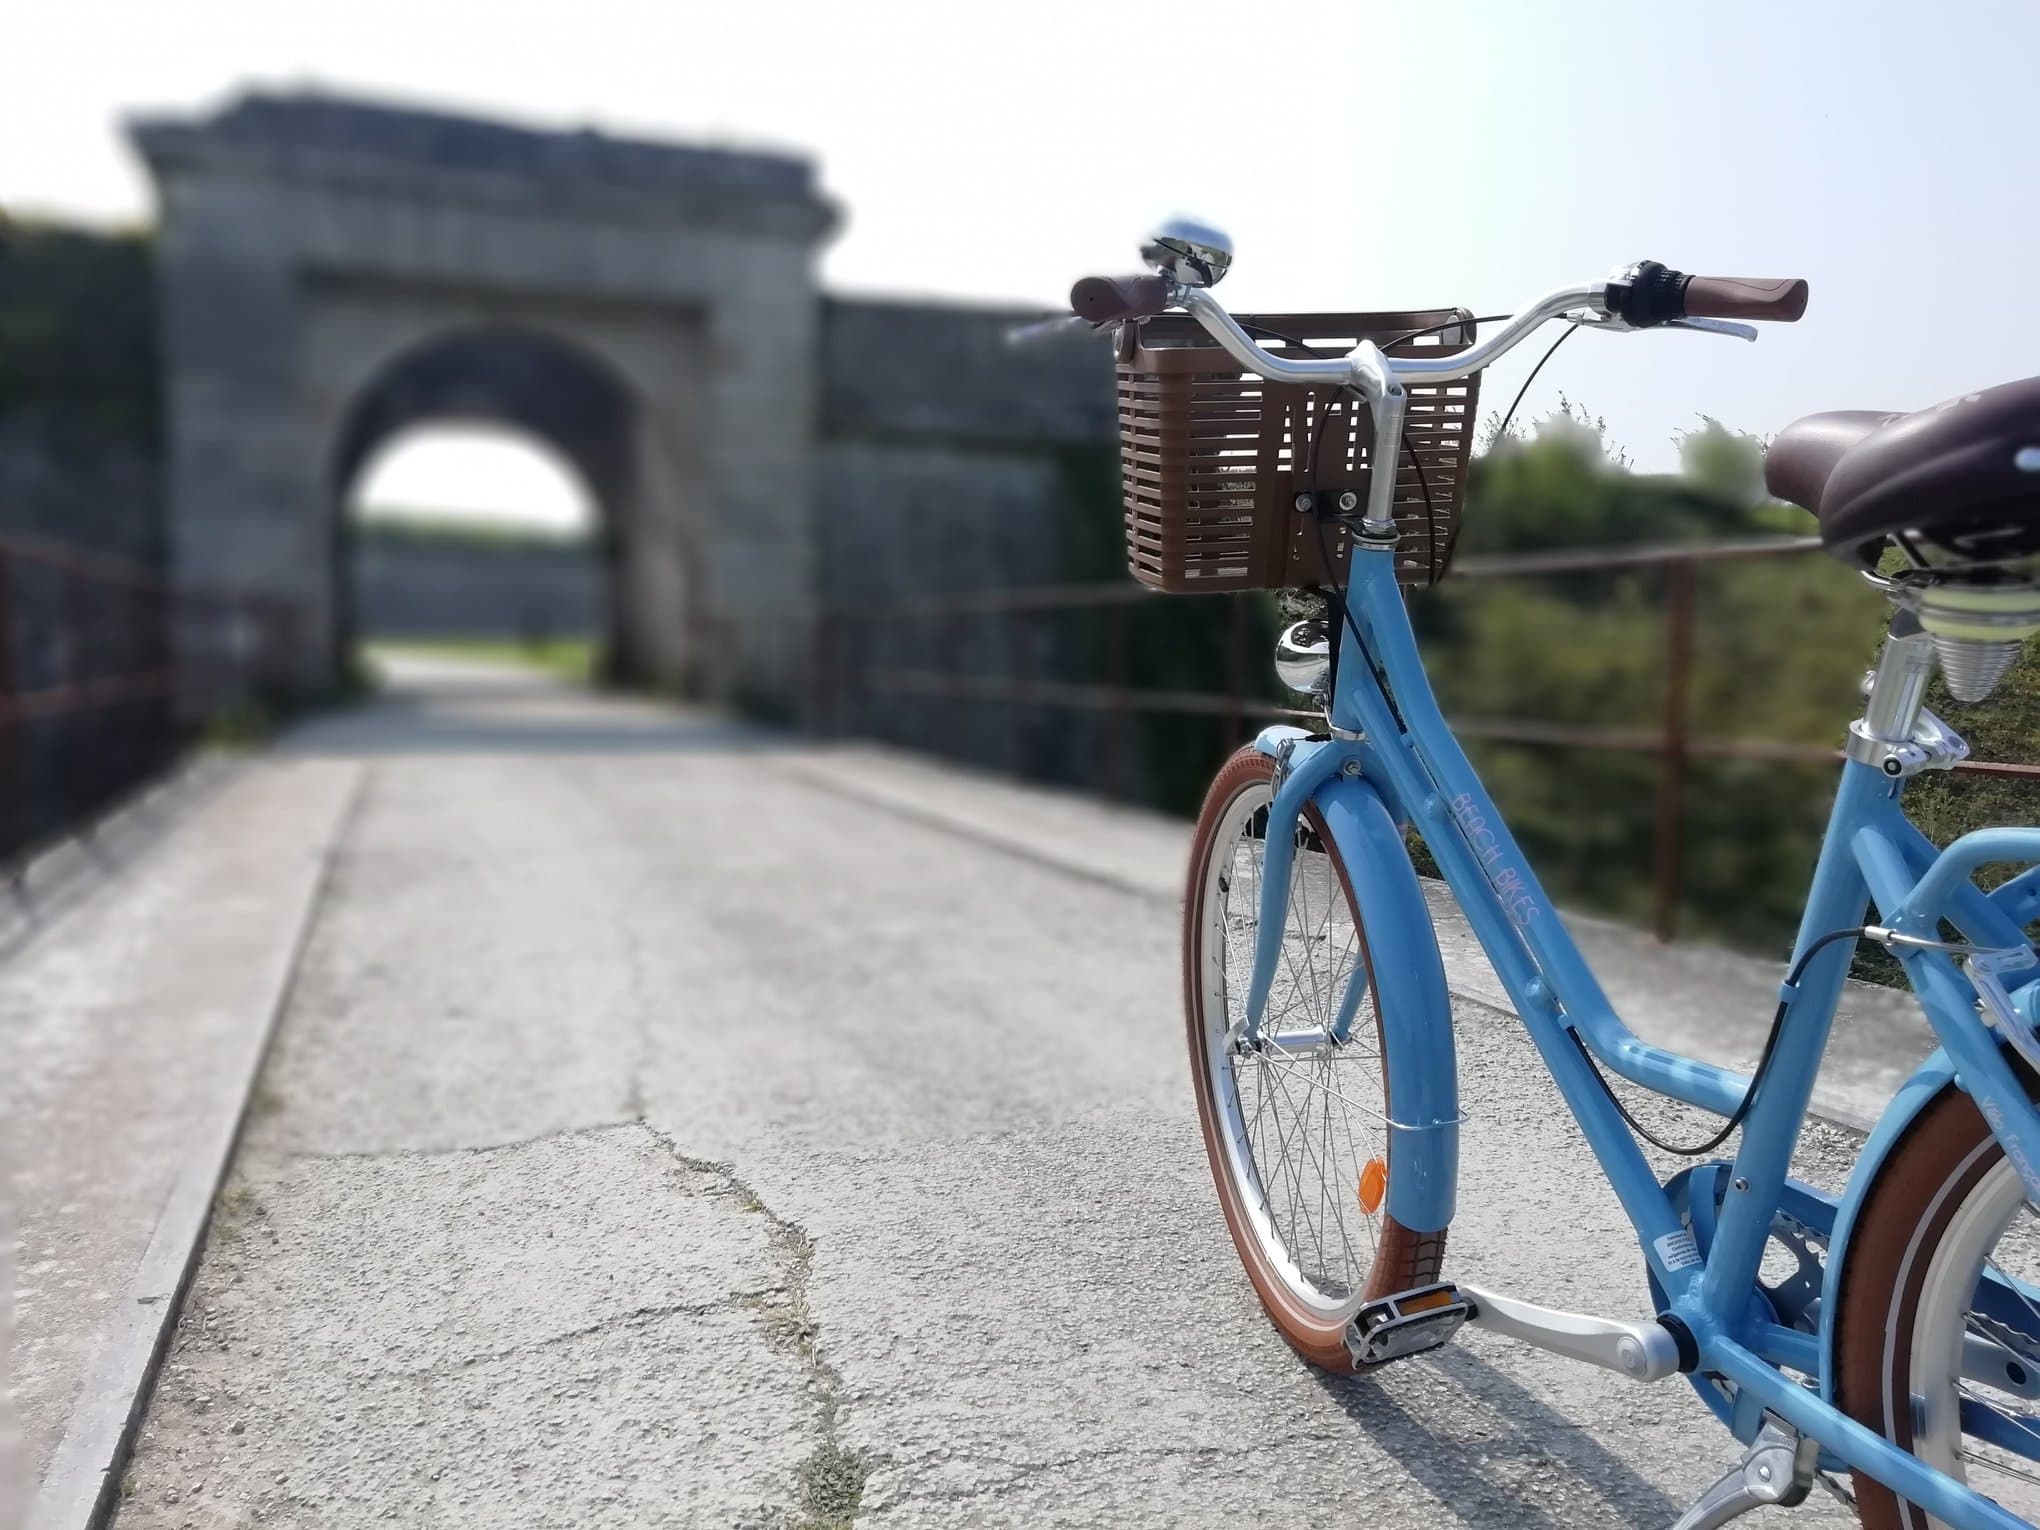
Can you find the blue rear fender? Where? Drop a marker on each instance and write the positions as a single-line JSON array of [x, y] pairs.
[[1409, 980]]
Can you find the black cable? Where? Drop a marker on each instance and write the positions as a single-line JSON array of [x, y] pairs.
[[1415, 334], [1436, 571], [1276, 334], [1337, 596], [1570, 331], [1317, 521], [1756, 1079]]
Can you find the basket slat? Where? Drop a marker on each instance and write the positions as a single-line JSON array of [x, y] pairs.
[[1211, 459]]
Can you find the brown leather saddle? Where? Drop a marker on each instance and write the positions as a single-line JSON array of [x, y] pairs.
[[1964, 474]]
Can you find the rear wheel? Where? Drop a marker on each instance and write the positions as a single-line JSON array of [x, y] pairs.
[[1296, 1126], [1937, 1341]]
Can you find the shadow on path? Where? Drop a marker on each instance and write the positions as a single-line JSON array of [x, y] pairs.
[[1521, 1428]]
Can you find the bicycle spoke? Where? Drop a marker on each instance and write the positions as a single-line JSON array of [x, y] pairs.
[[1310, 1121]]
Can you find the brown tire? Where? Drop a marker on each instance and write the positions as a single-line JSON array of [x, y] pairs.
[[1933, 1173], [1399, 1259]]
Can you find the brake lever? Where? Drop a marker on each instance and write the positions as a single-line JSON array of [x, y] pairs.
[[1587, 319], [1714, 327]]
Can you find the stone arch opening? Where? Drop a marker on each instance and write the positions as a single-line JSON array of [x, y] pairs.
[[475, 538], [546, 389], [317, 256]]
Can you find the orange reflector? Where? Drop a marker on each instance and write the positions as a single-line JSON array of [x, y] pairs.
[[1442, 1297], [1373, 1185]]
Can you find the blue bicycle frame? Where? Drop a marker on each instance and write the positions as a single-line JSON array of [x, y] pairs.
[[1390, 742]]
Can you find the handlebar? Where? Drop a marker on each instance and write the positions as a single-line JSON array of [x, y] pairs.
[[1348, 370], [1641, 296]]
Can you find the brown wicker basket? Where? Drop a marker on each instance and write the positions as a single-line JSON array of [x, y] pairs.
[[1212, 459]]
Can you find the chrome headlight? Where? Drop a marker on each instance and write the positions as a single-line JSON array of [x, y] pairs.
[[1303, 657]]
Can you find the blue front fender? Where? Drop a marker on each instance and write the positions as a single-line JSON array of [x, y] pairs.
[[1409, 976], [1919, 1090]]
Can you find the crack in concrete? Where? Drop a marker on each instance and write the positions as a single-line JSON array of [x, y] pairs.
[[832, 1480], [637, 1317], [640, 1022], [373, 1155]]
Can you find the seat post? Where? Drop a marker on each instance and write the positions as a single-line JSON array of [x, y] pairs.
[[1898, 688]]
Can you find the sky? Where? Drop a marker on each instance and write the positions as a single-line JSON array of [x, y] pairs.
[[1364, 154], [481, 473]]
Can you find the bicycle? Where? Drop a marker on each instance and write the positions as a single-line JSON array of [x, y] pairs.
[[1319, 1027]]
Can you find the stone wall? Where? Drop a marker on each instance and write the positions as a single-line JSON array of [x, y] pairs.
[[786, 454], [945, 456], [81, 516], [953, 462], [80, 403], [410, 584]]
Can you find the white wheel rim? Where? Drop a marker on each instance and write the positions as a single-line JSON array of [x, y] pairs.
[[1334, 1098], [1995, 1208]]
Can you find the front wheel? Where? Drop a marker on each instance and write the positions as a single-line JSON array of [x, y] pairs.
[[1937, 1343], [1296, 1125]]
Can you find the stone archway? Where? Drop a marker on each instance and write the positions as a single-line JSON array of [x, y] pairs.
[[649, 487], [320, 261], [548, 389]]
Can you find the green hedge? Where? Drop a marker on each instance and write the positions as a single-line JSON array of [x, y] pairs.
[[78, 333]]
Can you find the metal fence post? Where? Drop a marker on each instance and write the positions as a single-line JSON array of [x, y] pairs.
[[945, 734], [1119, 720], [73, 753], [1235, 675], [1018, 709], [825, 719], [1668, 847], [13, 741]]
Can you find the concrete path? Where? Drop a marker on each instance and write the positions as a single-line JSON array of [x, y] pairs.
[[132, 1025], [1695, 999], [671, 1127]]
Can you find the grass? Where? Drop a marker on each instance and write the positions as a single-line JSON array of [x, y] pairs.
[[265, 1102], [785, 1323], [568, 658], [239, 728], [231, 1210], [831, 1489]]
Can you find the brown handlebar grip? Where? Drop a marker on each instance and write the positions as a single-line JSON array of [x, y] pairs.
[[1107, 299], [1782, 299]]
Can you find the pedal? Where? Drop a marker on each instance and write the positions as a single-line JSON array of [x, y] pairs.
[[1408, 1323]]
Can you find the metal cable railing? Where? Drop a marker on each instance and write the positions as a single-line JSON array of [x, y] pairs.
[[847, 673], [104, 667]]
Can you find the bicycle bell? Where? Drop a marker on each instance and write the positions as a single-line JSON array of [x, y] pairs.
[[1189, 253]]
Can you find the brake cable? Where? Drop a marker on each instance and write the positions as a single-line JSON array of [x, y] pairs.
[[1570, 331], [1742, 1109]]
